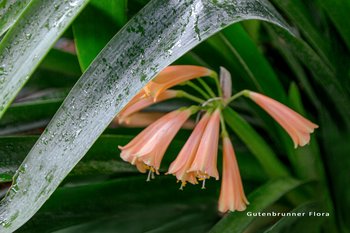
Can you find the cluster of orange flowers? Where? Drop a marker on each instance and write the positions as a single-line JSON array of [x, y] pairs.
[[197, 160]]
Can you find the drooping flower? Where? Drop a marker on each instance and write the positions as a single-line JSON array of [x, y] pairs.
[[232, 195], [174, 75], [144, 119], [298, 127], [204, 164], [140, 102], [183, 161], [147, 149]]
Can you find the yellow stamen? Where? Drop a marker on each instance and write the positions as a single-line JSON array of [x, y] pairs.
[[183, 184]]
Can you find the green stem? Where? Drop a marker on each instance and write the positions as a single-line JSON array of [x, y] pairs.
[[239, 94], [217, 82], [183, 94], [207, 88], [223, 126], [198, 89]]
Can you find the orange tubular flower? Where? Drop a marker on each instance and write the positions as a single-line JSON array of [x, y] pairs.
[[144, 119], [298, 128], [187, 154], [174, 75], [147, 149], [204, 164], [232, 195], [140, 102]]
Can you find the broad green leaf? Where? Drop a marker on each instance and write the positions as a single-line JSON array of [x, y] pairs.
[[92, 31], [253, 28], [260, 199], [156, 37], [44, 80], [256, 64], [297, 69], [338, 11], [4, 178], [306, 223], [297, 12], [117, 10], [135, 7], [148, 218], [27, 116], [198, 222], [29, 40], [337, 162], [191, 58], [10, 10], [61, 62], [256, 144]]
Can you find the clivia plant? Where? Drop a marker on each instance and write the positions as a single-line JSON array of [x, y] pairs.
[[94, 92]]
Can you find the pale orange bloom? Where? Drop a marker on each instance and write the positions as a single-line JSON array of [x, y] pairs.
[[187, 154], [147, 149], [174, 75], [140, 101], [232, 195], [144, 119], [204, 164], [298, 127]]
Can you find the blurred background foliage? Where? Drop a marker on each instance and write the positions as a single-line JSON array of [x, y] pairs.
[[310, 73]]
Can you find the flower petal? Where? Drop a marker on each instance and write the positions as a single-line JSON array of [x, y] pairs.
[[150, 145], [205, 161], [232, 195], [298, 127], [186, 156], [174, 75], [142, 102]]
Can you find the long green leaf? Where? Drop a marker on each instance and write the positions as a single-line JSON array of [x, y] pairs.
[[29, 40], [157, 36], [150, 206], [260, 199], [10, 10], [27, 116], [297, 12], [116, 10], [337, 162], [338, 11], [301, 224], [92, 22], [61, 62], [255, 64], [297, 69]]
